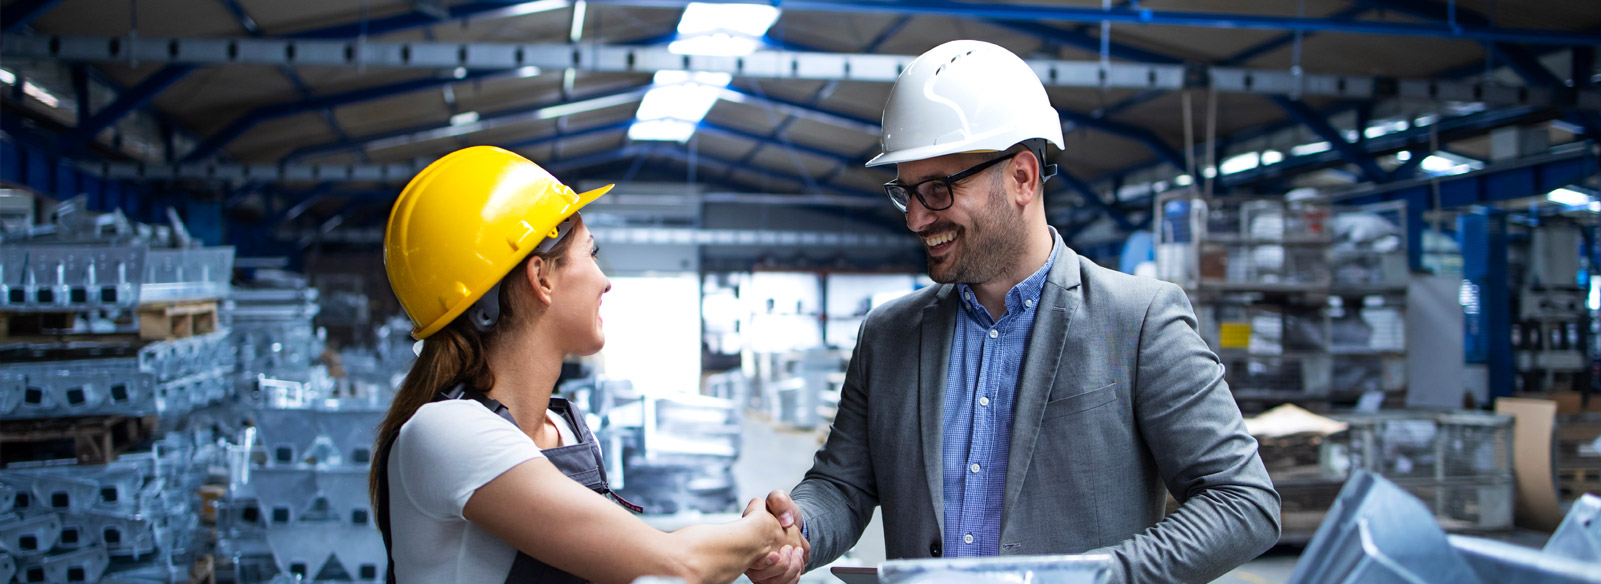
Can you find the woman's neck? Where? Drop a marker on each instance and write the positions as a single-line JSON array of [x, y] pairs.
[[525, 374]]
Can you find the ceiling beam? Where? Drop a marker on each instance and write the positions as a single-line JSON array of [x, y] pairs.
[[23, 12], [486, 121], [1351, 152], [761, 64], [1143, 16], [168, 76]]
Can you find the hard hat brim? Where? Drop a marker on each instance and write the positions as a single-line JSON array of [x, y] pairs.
[[422, 333]]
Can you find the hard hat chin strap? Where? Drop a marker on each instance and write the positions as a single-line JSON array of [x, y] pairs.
[[486, 310], [1037, 147]]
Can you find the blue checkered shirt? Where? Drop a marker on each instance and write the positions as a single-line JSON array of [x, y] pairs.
[[980, 388]]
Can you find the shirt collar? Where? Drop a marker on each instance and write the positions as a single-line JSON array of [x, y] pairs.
[[1021, 297]]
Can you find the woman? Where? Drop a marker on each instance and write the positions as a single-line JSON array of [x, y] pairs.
[[481, 475]]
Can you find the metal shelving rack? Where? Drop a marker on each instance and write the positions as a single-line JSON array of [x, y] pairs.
[[1296, 313]]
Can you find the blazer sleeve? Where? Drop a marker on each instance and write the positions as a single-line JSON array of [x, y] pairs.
[[1228, 512], [839, 493]]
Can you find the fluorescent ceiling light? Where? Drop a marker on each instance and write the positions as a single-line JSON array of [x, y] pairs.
[[1184, 180], [677, 96], [1568, 197], [722, 29], [1385, 128], [714, 45], [1312, 148], [1436, 164], [7, 77], [464, 118], [1241, 163], [43, 95], [528, 71], [1403, 156], [530, 8], [497, 120], [748, 19], [661, 130], [1272, 157], [1446, 163], [577, 32]]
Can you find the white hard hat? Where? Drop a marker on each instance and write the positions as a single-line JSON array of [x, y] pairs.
[[965, 96]]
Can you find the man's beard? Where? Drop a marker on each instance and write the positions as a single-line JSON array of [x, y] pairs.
[[990, 248]]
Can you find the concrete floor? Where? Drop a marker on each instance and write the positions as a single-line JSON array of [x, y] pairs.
[[772, 458]]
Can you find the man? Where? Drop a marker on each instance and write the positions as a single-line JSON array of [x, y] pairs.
[[1034, 402]]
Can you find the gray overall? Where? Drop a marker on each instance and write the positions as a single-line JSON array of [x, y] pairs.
[[580, 462]]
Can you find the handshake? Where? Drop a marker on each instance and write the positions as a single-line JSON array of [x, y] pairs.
[[788, 551]]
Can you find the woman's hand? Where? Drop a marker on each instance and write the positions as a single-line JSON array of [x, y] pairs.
[[786, 549]]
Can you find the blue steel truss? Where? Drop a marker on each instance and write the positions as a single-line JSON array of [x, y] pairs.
[[1142, 16], [1438, 22]]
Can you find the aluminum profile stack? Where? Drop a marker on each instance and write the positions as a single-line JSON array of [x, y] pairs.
[[272, 327], [296, 509], [110, 338], [1378, 533], [1458, 463], [669, 453], [1302, 301], [131, 520], [297, 503]]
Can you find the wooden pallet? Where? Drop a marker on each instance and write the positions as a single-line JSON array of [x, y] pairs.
[[155, 321], [177, 320], [90, 439], [203, 570], [210, 495], [1572, 482]]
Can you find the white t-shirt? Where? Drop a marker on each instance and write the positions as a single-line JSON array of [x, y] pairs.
[[443, 454]]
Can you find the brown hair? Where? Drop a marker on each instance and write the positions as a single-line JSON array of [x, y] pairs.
[[456, 354]]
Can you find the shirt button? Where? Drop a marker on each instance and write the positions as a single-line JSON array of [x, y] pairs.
[[973, 468], [967, 295], [1028, 303], [967, 538], [983, 401], [994, 333]]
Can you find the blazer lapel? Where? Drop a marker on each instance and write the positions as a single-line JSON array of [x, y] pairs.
[[1059, 299], [939, 326]]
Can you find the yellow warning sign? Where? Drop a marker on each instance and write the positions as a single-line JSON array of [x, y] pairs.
[[1234, 335]]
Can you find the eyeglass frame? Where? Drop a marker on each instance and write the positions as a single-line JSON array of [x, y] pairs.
[[949, 181]]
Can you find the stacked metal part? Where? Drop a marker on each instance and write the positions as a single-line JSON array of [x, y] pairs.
[[1378, 533], [110, 338], [666, 453], [130, 520], [373, 373], [297, 506], [1458, 463], [271, 324], [297, 502], [104, 317]]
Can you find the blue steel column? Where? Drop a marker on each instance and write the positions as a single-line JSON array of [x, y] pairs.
[[1488, 321]]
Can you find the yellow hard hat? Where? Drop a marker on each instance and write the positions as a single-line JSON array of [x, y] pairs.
[[463, 223]]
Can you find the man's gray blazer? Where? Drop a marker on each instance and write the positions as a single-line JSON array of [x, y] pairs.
[[1117, 397]]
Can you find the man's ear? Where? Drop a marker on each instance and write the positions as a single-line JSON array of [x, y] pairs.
[[1023, 178], [538, 272]]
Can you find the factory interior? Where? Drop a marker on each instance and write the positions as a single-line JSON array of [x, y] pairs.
[[1383, 215]]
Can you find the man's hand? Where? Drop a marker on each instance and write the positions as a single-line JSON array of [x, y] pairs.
[[783, 566]]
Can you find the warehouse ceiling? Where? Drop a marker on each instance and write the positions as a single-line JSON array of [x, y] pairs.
[[777, 135]]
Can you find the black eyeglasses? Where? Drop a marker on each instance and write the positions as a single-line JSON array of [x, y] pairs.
[[935, 193]]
